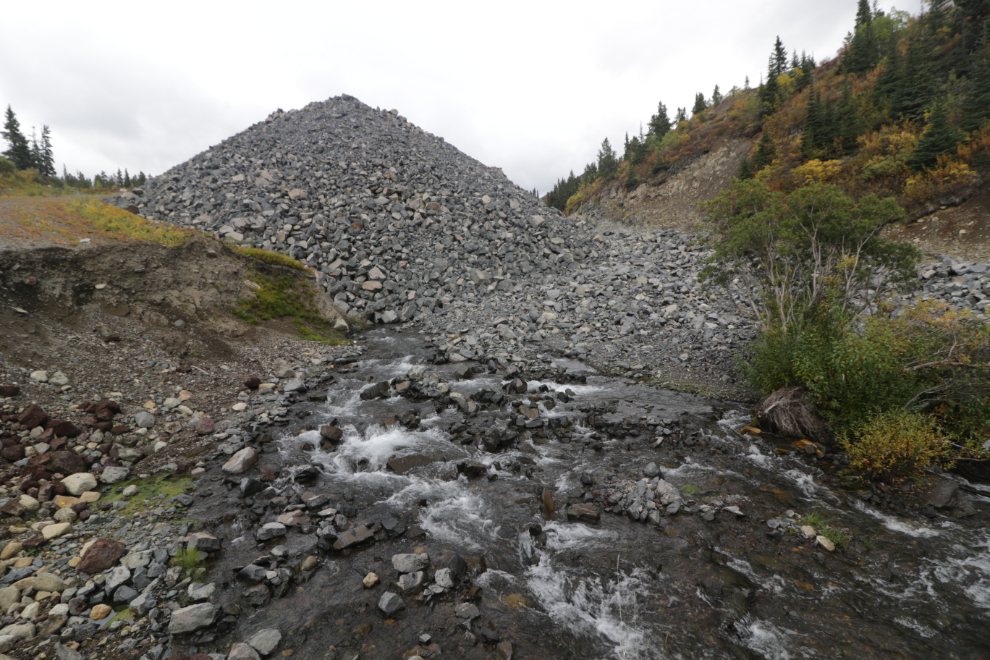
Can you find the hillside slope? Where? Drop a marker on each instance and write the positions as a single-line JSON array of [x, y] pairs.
[[671, 201]]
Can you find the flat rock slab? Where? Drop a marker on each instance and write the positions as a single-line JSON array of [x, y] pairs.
[[353, 537], [402, 464], [265, 641], [586, 512], [194, 617]]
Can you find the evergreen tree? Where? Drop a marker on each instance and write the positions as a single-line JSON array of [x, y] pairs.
[[916, 84], [812, 125], [127, 178], [745, 169], [19, 150], [746, 86], [681, 115], [778, 61], [976, 105], [35, 151], [862, 53], [716, 97], [699, 104], [46, 163], [119, 179], [940, 138], [850, 120], [659, 123], [765, 152], [607, 162]]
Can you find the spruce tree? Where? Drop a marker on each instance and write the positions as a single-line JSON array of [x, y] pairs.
[[607, 163], [681, 115], [850, 121], [861, 56], [716, 96], [659, 123], [699, 104], [976, 105], [779, 58], [19, 150], [765, 152], [940, 138], [812, 125], [46, 164]]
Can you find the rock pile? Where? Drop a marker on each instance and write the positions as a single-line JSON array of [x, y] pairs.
[[401, 226]]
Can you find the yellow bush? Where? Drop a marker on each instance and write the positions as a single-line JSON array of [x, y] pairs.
[[815, 171], [947, 177], [896, 445], [273, 258]]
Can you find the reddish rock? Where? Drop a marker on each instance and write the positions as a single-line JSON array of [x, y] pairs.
[[40, 459], [205, 426], [9, 390], [252, 383], [104, 447], [79, 507], [104, 414], [13, 453], [201, 656], [95, 423], [48, 491], [103, 554], [10, 441], [57, 443], [32, 417], [85, 514], [67, 462], [38, 472], [178, 656], [35, 543], [120, 429], [65, 429], [107, 404], [28, 484]]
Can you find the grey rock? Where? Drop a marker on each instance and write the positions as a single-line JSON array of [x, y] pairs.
[[410, 563], [390, 603], [265, 641], [189, 619], [241, 462], [144, 420], [242, 651], [942, 493], [270, 531]]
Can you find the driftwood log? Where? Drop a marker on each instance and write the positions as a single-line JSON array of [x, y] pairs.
[[787, 412]]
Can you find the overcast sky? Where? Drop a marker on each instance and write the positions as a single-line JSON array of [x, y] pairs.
[[531, 87]]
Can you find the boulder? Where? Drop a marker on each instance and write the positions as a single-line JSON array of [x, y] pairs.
[[32, 417], [242, 651], [242, 461], [942, 493], [390, 603], [67, 462], [270, 531], [189, 619], [103, 554], [410, 563], [265, 641], [79, 483], [113, 475]]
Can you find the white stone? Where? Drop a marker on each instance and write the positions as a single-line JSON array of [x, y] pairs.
[[79, 483]]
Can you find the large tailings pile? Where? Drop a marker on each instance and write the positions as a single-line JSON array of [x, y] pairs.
[[394, 219]]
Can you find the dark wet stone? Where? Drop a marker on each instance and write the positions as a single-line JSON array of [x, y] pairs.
[[331, 434], [32, 417], [353, 537], [376, 391], [9, 391], [584, 512], [402, 464], [252, 382], [942, 493]]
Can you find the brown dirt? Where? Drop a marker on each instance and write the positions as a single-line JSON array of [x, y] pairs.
[[961, 232], [137, 322]]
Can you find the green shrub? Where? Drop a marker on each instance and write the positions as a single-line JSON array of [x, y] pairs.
[[893, 446], [6, 167]]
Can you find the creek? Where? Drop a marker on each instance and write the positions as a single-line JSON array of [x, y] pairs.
[[697, 581]]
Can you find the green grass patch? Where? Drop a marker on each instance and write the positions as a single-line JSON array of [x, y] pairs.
[[273, 258], [691, 489], [149, 492], [288, 296], [123, 615], [118, 223], [824, 527]]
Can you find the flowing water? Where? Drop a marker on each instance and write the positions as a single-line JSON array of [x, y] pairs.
[[729, 587]]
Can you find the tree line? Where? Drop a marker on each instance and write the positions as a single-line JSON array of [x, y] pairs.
[[36, 154]]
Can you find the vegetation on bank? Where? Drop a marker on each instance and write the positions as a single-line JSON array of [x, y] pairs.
[[68, 221], [902, 112], [902, 388], [288, 296]]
